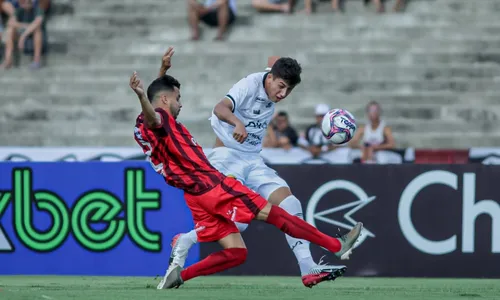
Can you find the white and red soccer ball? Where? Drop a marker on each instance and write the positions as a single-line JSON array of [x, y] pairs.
[[338, 126]]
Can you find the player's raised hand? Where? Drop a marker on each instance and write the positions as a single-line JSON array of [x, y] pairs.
[[166, 60], [240, 133], [136, 85]]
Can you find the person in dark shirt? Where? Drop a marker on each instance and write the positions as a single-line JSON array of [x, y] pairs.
[[286, 135], [280, 134], [29, 26]]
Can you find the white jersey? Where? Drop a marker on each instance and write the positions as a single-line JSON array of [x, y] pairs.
[[252, 106], [374, 136]]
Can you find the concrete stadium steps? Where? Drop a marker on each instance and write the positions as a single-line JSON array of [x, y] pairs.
[[435, 69]]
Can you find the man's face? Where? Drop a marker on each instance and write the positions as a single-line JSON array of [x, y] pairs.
[[281, 123], [277, 88], [373, 112], [171, 101]]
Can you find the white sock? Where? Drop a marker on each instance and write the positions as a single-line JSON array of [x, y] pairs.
[[186, 241], [300, 247]]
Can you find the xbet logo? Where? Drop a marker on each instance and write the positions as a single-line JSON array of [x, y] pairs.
[[93, 207]]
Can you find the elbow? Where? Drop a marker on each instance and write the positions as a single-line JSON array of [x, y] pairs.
[[220, 110]]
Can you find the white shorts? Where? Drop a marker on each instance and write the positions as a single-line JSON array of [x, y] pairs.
[[249, 168]]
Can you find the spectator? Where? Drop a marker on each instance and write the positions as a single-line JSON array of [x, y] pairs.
[[284, 6], [6, 9], [28, 23], [315, 141], [376, 135], [282, 135], [214, 13]]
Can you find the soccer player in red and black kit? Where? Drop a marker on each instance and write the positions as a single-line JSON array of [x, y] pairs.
[[215, 201]]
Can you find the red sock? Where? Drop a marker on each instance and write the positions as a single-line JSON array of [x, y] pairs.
[[216, 262], [300, 229]]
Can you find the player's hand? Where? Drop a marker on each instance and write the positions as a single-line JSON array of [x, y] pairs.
[[240, 133], [136, 85], [166, 60]]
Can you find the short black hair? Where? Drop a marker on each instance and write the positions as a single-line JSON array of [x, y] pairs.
[[282, 114], [164, 83], [287, 69]]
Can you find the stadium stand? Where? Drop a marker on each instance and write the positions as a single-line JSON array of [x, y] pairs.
[[434, 68]]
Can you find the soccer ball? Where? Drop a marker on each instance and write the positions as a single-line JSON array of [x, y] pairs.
[[338, 126]]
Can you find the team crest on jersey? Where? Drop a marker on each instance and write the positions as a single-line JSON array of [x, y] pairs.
[[269, 104]]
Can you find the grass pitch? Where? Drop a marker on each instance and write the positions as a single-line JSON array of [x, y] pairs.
[[243, 288]]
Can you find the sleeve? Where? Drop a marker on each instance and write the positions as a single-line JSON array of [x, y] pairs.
[[238, 93]]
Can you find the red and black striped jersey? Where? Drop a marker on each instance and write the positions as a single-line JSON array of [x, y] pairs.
[[174, 153]]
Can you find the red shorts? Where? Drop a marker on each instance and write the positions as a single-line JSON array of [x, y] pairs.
[[215, 211]]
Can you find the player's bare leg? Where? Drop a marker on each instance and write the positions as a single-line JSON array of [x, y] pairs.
[[194, 12], [234, 254], [311, 272], [223, 19]]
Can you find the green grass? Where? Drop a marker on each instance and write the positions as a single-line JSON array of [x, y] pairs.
[[239, 288]]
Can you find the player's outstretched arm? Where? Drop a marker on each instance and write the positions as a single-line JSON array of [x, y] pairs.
[[152, 119], [223, 111], [166, 61]]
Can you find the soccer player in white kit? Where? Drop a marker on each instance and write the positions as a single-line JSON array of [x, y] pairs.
[[240, 122]]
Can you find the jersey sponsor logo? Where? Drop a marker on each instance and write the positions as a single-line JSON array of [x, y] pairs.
[[259, 99], [313, 216], [257, 124]]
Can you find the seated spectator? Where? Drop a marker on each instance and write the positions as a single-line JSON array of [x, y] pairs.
[[273, 5], [28, 23], [315, 142], [214, 13], [281, 135], [375, 135]]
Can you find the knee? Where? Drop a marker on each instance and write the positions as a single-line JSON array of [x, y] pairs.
[[240, 255], [292, 206], [236, 256]]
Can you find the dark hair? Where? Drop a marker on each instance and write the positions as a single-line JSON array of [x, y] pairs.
[[287, 69], [282, 114], [373, 102], [164, 83]]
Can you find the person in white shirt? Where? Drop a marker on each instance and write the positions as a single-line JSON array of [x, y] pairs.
[[214, 13], [240, 121], [375, 135]]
